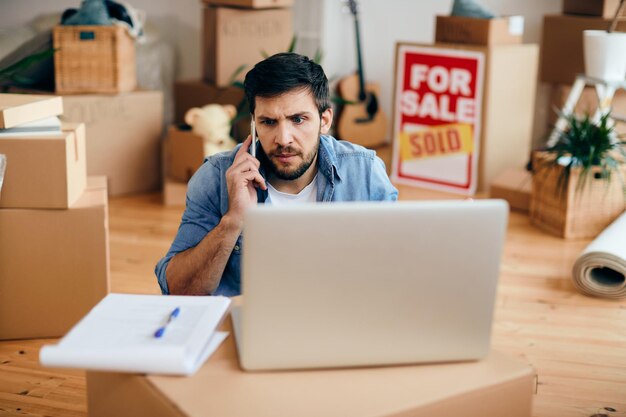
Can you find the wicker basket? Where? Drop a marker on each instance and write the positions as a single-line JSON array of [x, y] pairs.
[[572, 213], [94, 59]]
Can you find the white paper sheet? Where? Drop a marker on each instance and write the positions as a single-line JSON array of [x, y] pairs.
[[118, 335], [600, 270]]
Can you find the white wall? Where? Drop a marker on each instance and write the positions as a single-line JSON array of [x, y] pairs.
[[319, 23]]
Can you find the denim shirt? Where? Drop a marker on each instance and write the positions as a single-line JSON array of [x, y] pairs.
[[349, 173]]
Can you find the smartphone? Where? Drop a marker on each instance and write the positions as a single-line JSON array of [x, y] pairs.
[[253, 133]]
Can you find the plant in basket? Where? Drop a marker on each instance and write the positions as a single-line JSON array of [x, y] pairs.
[[579, 184]]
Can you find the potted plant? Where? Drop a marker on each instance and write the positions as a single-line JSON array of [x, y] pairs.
[[579, 185]]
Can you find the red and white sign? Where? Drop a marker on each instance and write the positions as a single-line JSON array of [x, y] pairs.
[[437, 113]]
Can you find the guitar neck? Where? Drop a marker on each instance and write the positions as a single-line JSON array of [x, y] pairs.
[[358, 59]]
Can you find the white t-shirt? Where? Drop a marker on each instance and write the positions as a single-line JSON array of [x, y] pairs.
[[278, 198]]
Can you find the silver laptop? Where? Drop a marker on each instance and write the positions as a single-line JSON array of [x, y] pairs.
[[357, 284]]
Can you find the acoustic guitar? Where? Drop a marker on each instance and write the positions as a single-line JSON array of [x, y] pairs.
[[361, 119]]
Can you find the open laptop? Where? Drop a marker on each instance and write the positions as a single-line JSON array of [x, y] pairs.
[[354, 284]]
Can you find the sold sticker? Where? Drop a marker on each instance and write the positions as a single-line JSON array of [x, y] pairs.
[[436, 142], [437, 114]]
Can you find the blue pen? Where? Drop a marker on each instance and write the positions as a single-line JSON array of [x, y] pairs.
[[171, 317]]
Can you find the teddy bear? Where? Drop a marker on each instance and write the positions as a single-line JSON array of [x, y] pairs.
[[213, 122]]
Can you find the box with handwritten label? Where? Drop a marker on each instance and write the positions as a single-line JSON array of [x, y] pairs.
[[236, 38]]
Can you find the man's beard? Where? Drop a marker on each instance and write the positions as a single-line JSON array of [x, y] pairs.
[[296, 173]]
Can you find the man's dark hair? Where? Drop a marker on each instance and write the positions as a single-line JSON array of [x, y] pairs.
[[285, 72]]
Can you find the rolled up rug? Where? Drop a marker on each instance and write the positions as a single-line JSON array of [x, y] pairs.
[[600, 270]]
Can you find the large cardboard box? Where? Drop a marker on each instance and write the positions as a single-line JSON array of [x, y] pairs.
[[497, 386], [251, 4], [601, 8], [45, 171], [497, 31], [17, 109], [185, 153], [562, 45], [124, 134], [235, 37], [188, 94], [54, 265], [587, 104], [503, 104]]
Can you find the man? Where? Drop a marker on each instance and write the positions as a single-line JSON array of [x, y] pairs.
[[289, 101]]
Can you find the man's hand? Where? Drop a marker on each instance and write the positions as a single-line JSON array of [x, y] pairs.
[[241, 179]]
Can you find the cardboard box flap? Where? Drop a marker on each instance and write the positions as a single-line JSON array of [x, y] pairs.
[[17, 109], [95, 193]]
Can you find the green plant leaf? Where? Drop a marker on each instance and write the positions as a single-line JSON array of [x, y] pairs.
[[342, 101], [236, 73], [237, 84], [318, 56], [292, 44], [11, 72]]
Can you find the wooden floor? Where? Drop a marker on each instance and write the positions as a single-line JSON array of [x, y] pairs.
[[576, 343]]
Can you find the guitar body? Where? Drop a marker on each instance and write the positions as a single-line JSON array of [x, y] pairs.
[[355, 124]]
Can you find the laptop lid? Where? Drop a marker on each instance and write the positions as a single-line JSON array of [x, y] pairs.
[[351, 284]]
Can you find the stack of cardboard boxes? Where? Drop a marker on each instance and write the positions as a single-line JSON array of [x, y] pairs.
[[509, 88], [236, 35], [95, 72], [562, 52], [54, 252]]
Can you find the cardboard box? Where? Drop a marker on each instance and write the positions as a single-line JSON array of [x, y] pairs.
[[562, 45], [497, 31], [44, 171], [601, 8], [235, 37], [515, 186], [251, 4], [494, 387], [587, 104], [123, 137], [188, 94], [174, 193], [54, 265], [17, 109], [186, 153]]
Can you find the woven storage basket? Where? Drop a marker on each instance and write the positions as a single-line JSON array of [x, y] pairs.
[[94, 59], [573, 213]]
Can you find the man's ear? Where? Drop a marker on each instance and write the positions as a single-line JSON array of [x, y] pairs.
[[327, 121]]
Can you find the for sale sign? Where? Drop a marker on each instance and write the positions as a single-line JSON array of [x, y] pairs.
[[437, 111]]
